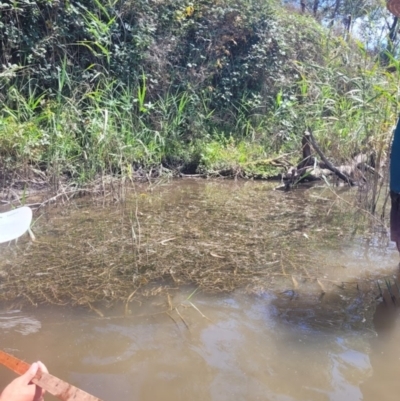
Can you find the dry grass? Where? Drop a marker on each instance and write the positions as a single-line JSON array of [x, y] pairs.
[[216, 236]]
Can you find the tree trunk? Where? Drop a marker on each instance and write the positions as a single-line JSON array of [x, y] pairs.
[[385, 59], [392, 35], [315, 7], [335, 12]]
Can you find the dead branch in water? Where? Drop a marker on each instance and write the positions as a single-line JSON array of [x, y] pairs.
[[310, 138]]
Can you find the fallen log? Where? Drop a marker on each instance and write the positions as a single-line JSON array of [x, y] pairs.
[[310, 138]]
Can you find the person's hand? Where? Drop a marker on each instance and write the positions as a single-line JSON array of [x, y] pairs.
[[21, 389]]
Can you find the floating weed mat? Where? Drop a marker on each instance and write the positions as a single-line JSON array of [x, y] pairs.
[[217, 236]]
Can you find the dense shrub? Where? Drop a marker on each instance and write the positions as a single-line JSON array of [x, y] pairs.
[[101, 86]]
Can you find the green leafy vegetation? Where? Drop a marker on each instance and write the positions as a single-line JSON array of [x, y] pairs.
[[92, 87]]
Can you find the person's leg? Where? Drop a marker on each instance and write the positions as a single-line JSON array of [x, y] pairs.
[[395, 219]]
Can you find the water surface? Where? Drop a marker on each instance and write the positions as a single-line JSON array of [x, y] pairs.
[[244, 293]]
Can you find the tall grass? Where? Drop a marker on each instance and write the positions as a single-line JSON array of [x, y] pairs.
[[96, 123], [105, 129]]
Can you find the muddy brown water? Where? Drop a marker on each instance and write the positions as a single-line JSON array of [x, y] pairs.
[[244, 294]]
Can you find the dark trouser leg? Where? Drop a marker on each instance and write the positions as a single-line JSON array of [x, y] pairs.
[[395, 219]]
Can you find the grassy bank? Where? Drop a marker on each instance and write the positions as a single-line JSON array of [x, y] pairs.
[[95, 88]]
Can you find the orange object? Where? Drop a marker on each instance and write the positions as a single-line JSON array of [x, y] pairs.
[[55, 386]]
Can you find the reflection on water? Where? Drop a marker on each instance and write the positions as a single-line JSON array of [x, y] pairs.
[[239, 350], [13, 321], [385, 355], [307, 326]]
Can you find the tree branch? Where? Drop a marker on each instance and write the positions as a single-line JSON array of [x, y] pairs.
[[329, 165]]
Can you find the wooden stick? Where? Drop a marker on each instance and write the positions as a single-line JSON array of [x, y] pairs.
[[55, 386], [329, 165]]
